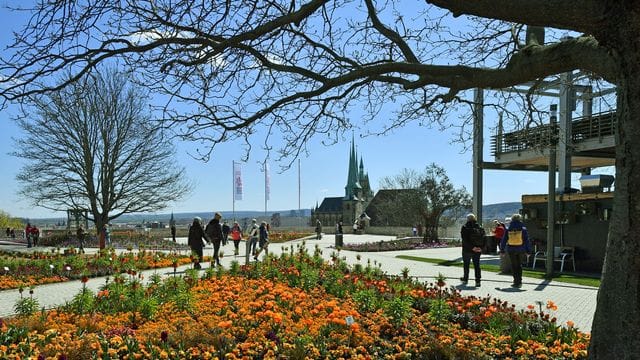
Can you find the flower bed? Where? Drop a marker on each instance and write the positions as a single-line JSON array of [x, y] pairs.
[[24, 270], [280, 237], [293, 307], [395, 245]]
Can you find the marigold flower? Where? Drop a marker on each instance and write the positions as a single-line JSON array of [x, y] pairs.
[[570, 323]]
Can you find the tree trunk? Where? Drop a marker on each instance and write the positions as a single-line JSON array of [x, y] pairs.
[[100, 221], [616, 323]]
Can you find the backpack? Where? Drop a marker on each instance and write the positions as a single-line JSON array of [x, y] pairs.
[[254, 231], [210, 231], [515, 238], [476, 235]]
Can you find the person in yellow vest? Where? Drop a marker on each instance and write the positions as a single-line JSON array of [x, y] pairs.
[[515, 243]]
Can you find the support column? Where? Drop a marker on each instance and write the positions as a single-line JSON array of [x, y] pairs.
[[565, 143], [551, 198], [478, 123]]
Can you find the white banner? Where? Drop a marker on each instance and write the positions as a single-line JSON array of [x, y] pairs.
[[237, 181]]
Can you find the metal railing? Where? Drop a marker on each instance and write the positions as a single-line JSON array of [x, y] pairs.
[[539, 137]]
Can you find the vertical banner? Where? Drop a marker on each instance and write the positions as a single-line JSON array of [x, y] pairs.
[[267, 182], [237, 181]]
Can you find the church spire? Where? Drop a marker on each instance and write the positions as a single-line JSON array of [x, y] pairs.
[[352, 179]]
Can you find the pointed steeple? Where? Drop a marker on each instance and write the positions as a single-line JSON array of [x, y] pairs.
[[361, 174], [352, 179]]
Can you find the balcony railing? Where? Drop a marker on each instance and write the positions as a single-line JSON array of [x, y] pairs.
[[539, 137]]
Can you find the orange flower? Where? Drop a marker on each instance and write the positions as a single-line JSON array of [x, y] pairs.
[[551, 305]]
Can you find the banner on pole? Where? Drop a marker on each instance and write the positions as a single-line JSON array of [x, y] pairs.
[[267, 182], [237, 181]]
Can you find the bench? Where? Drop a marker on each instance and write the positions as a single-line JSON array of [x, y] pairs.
[[560, 254]]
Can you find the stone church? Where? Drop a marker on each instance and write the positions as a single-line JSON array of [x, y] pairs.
[[350, 207]]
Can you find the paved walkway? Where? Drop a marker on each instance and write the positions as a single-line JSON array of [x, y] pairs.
[[576, 303]]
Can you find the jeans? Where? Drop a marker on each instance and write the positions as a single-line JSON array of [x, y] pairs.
[[466, 259], [516, 266], [216, 249]]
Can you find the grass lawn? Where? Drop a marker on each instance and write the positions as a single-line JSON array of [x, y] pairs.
[[565, 278]]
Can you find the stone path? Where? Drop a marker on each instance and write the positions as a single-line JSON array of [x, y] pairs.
[[576, 303]]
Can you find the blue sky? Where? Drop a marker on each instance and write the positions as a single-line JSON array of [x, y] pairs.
[[324, 170]]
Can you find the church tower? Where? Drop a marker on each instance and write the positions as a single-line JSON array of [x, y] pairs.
[[352, 205], [363, 180]]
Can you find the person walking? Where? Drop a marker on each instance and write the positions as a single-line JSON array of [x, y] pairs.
[[107, 234], [264, 240], [473, 241], [27, 235], [196, 241], [225, 233], [236, 236], [498, 234], [515, 243], [80, 234], [35, 235], [214, 232], [318, 230], [252, 243], [173, 232]]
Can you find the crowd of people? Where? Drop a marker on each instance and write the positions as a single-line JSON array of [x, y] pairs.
[[218, 232]]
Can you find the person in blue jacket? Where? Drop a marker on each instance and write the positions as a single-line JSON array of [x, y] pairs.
[[515, 243]]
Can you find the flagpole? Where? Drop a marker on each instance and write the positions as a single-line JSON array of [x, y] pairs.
[[299, 211], [233, 187], [265, 187]]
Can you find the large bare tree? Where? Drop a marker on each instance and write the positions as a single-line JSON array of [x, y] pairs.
[[92, 146], [296, 68], [431, 194]]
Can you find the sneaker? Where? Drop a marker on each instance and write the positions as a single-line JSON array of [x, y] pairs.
[[255, 258], [464, 281], [516, 285], [477, 283]]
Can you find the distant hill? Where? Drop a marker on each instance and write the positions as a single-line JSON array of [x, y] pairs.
[[500, 211], [186, 217], [490, 212]]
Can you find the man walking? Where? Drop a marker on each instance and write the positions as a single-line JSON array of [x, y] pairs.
[[214, 233], [516, 244], [473, 242]]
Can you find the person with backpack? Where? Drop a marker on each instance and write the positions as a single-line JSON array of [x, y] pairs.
[[516, 244], [214, 233], [473, 241]]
